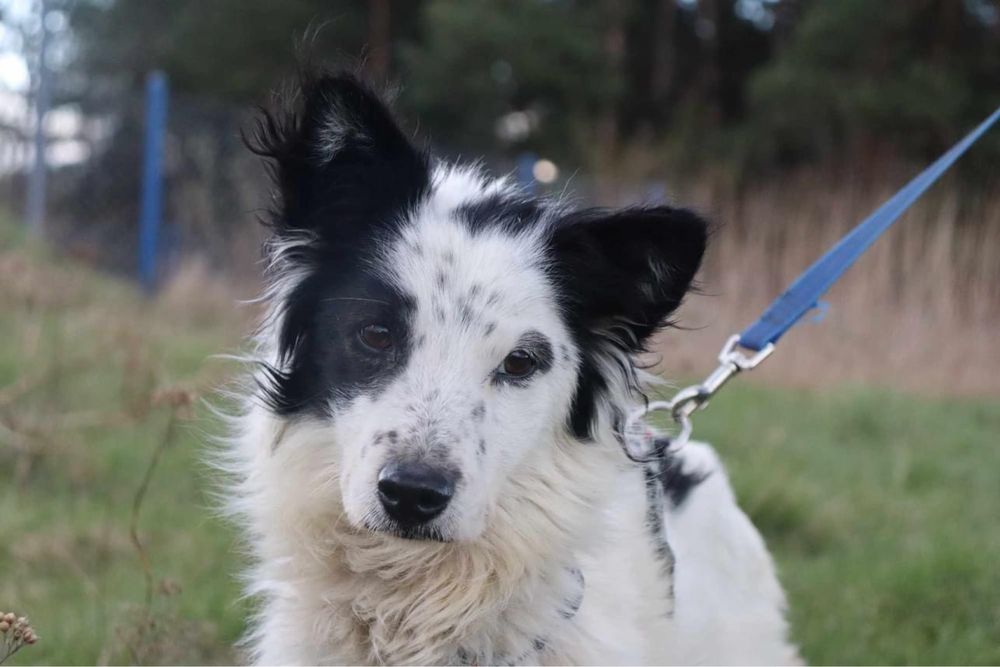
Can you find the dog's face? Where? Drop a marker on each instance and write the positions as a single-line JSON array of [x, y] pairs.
[[440, 326]]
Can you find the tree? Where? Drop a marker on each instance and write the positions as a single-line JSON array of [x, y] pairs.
[[476, 60], [860, 78]]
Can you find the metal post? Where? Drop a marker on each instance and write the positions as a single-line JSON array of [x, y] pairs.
[[35, 204], [151, 210], [525, 172]]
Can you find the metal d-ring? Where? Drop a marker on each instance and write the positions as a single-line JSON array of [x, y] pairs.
[[642, 444]]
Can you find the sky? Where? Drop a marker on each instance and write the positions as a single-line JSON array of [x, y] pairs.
[[63, 124], [13, 69]]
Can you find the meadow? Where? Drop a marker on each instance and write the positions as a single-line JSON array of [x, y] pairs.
[[881, 507]]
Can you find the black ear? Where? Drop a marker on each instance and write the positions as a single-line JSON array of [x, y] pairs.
[[624, 272], [621, 274], [338, 157]]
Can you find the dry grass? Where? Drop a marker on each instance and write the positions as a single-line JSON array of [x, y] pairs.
[[97, 389], [919, 312], [204, 297]]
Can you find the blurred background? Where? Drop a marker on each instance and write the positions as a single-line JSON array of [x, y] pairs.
[[865, 449]]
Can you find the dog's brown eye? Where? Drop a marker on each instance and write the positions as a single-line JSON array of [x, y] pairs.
[[518, 364], [377, 337]]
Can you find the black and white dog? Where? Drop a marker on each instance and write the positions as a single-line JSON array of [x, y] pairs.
[[429, 465]]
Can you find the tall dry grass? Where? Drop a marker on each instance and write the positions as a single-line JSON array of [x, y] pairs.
[[920, 311], [98, 388]]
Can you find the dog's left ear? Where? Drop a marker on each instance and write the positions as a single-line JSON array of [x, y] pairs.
[[626, 271]]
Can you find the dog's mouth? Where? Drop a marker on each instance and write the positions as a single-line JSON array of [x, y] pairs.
[[418, 533]]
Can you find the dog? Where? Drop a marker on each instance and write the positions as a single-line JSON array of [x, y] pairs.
[[428, 465]]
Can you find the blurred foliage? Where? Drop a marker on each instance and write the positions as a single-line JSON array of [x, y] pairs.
[[761, 83], [229, 49], [859, 77], [474, 64]]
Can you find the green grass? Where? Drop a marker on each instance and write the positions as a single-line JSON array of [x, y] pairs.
[[882, 510], [75, 443]]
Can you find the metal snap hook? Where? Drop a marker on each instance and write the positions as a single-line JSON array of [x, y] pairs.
[[643, 444]]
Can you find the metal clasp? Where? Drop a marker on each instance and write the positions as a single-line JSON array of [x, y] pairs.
[[641, 441]]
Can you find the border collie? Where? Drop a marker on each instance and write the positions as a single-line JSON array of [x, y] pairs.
[[429, 467]]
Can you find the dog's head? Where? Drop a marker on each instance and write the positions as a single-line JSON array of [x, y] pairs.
[[437, 325]]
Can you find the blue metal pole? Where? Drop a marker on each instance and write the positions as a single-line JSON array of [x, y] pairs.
[[35, 205], [525, 172], [151, 211]]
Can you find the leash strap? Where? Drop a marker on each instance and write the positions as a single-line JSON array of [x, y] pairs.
[[804, 293], [788, 309]]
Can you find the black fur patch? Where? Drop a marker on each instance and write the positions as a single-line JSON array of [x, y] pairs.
[[324, 358], [620, 275], [678, 484], [508, 212], [345, 172]]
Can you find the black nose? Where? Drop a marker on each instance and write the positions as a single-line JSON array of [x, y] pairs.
[[414, 493]]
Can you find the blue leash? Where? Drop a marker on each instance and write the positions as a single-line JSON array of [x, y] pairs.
[[803, 295], [789, 308]]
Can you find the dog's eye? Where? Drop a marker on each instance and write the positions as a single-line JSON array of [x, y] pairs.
[[518, 364], [376, 336]]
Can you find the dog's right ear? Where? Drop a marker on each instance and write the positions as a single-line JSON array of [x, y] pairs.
[[339, 159]]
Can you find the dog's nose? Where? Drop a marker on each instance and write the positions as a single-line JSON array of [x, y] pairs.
[[413, 493]]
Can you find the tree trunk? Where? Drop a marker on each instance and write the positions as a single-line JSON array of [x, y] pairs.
[[379, 39], [607, 126], [661, 78]]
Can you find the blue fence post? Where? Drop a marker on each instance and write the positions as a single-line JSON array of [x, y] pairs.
[[525, 172], [151, 206], [35, 204]]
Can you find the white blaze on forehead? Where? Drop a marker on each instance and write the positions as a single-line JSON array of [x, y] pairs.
[[469, 284]]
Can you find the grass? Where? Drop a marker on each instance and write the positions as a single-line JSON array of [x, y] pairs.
[[882, 512], [881, 509], [82, 366]]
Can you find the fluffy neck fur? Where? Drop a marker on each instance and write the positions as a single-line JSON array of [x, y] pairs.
[[332, 593]]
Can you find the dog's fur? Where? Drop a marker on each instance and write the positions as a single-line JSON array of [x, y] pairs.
[[555, 547]]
